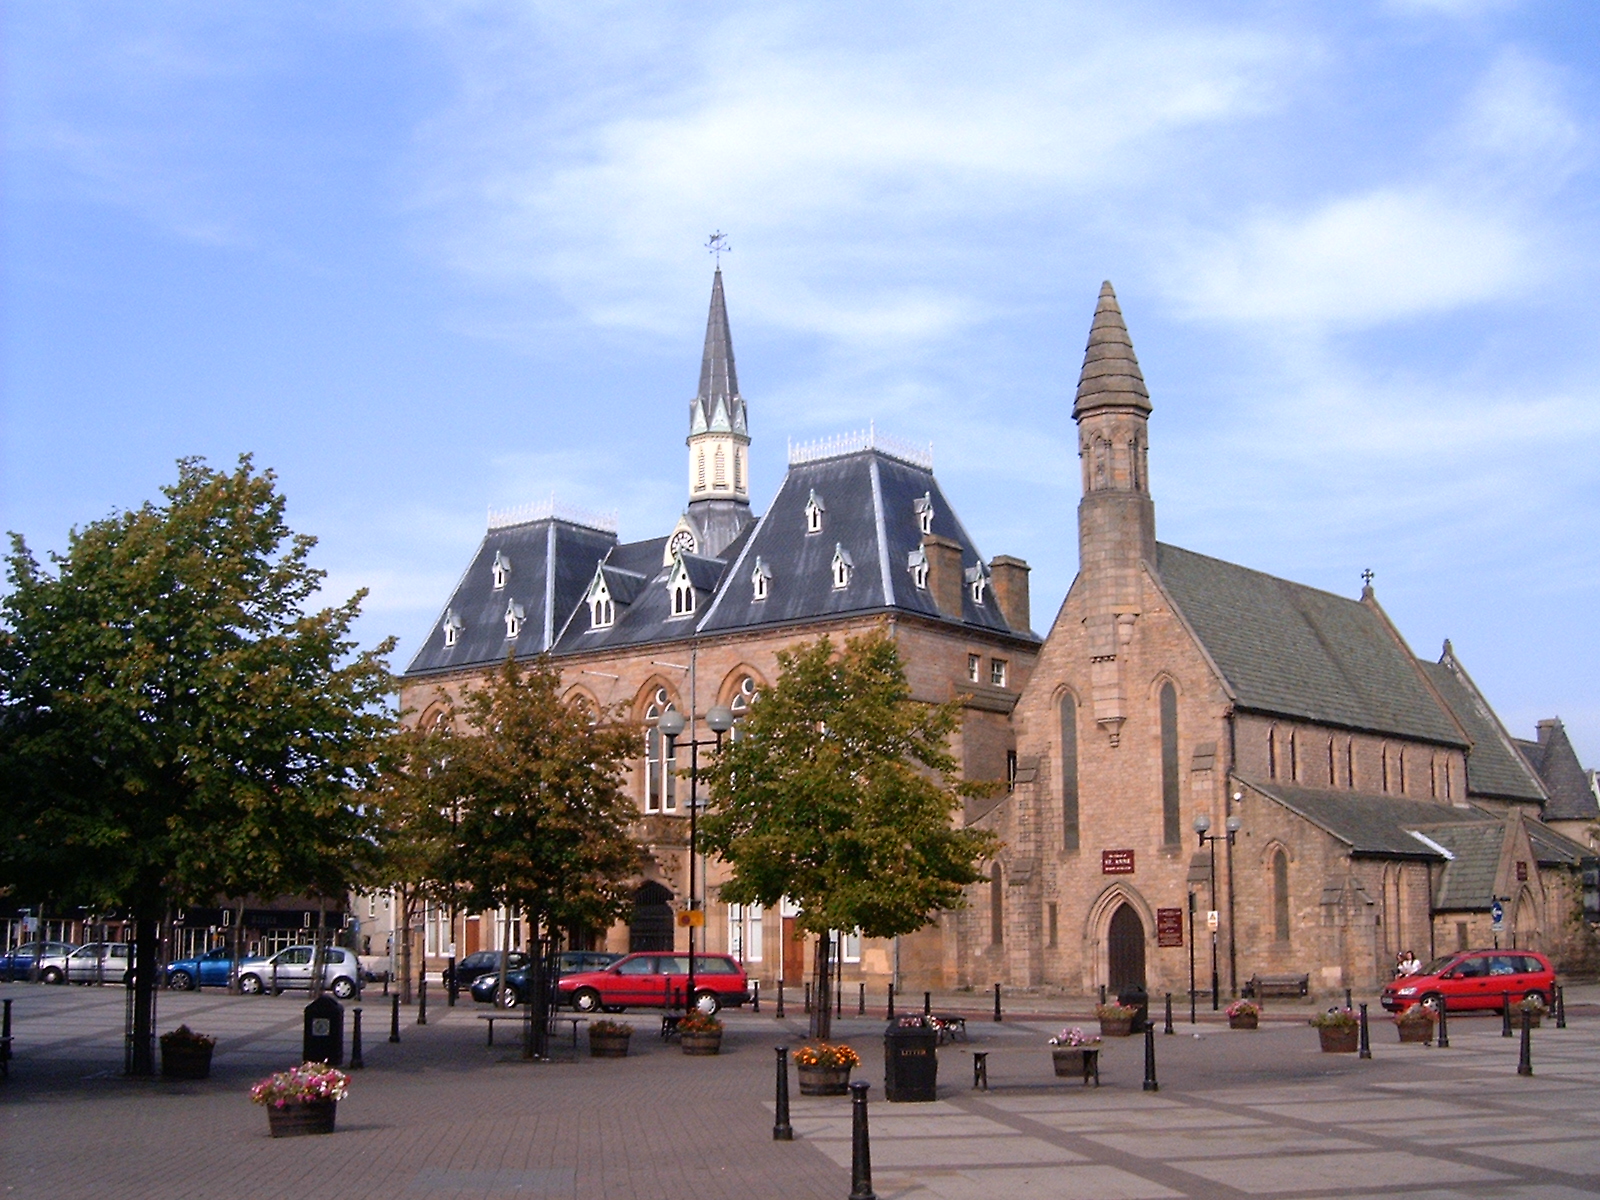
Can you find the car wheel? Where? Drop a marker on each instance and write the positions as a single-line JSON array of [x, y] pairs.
[[1536, 994], [1433, 1001], [586, 1000], [250, 985], [181, 981], [707, 1003], [52, 975], [343, 988], [507, 997]]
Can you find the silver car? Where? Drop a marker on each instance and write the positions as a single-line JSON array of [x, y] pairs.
[[291, 968], [98, 962]]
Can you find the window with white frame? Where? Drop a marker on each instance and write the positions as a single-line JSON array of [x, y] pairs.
[[843, 564], [435, 930], [850, 946], [744, 932], [814, 511], [452, 627], [974, 668], [514, 618], [372, 907], [917, 564], [602, 612], [760, 579], [501, 570], [660, 768], [997, 672], [980, 585], [682, 589]]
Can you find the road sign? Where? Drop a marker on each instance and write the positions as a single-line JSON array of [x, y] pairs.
[[1211, 920], [1497, 912]]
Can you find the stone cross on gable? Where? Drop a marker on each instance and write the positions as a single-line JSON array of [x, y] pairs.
[[1367, 577]]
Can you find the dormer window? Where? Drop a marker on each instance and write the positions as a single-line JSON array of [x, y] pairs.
[[682, 589], [843, 564], [452, 627], [814, 511], [979, 579], [501, 570], [514, 618], [924, 510], [760, 579], [917, 564], [602, 612]]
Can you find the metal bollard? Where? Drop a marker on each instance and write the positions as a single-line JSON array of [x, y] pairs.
[[755, 995], [1525, 1059], [1102, 993], [808, 996], [1505, 1014], [778, 1012], [356, 1061], [1443, 1038], [422, 998], [386, 983], [1347, 1002], [860, 1146], [1366, 1042], [1150, 1084], [927, 1004], [453, 989], [394, 1017], [997, 1016], [838, 999], [1167, 1028], [1561, 1007], [1191, 1006], [861, 999], [782, 1131], [890, 1009]]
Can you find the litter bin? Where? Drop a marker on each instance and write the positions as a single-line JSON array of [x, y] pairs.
[[1137, 998], [324, 1032], [910, 1064]]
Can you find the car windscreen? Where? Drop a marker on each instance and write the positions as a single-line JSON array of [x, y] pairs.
[[1437, 965]]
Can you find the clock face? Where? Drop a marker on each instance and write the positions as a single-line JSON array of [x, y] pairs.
[[682, 542]]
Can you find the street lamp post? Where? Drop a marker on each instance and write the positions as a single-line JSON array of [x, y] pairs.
[[719, 719], [1202, 824]]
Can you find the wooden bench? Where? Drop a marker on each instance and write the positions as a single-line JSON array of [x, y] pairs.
[[1262, 986], [521, 1018], [950, 1027]]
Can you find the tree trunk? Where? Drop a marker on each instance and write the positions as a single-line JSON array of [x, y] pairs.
[[822, 1002], [141, 1057]]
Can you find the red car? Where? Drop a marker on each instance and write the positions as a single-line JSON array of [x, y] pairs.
[[1474, 979], [656, 979]]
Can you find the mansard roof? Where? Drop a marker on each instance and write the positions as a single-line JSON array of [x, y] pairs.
[[1295, 651], [1494, 768], [1572, 797]]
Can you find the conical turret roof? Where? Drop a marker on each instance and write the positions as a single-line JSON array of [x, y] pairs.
[[717, 407], [1110, 376]]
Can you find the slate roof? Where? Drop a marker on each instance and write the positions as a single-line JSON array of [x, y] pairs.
[[717, 406], [1467, 882], [1571, 795], [1371, 824], [1110, 375], [1296, 651], [1494, 768]]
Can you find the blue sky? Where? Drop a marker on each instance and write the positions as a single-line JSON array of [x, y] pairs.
[[426, 258]]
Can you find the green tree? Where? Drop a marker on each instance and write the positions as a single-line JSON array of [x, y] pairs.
[[175, 724], [841, 794], [543, 821]]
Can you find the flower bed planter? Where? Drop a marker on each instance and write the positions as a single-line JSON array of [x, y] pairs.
[[1116, 1026], [608, 1045], [1245, 1021], [1068, 1060], [823, 1081], [1339, 1039], [702, 1043], [301, 1120], [1420, 1032], [185, 1060]]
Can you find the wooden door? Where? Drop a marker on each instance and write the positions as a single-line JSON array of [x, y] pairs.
[[794, 953], [472, 936], [1125, 950]]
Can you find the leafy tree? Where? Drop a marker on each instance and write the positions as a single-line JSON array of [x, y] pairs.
[[840, 794], [174, 724], [543, 821]]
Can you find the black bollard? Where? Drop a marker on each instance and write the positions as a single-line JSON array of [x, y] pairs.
[[1366, 1041], [782, 1131], [927, 1003], [1443, 1039], [386, 983], [1102, 993], [5, 1021], [755, 995], [861, 1000], [422, 998], [1167, 1028], [1150, 1084], [808, 996], [1505, 1014], [997, 1016], [778, 1010], [1561, 1007], [838, 999], [1191, 1006], [356, 1061], [1525, 1059], [860, 1146], [1347, 1002], [394, 1017], [453, 988], [890, 1009]]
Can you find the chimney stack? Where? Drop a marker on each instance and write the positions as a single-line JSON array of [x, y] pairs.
[[1009, 578], [944, 573]]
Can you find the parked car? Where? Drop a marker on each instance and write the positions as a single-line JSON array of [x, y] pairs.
[[568, 962], [486, 962], [210, 969], [1474, 979], [651, 979], [291, 968], [17, 962], [98, 962]]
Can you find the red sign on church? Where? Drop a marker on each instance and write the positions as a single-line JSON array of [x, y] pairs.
[[1116, 862], [1169, 927]]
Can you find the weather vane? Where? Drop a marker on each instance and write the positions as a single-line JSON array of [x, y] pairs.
[[717, 244]]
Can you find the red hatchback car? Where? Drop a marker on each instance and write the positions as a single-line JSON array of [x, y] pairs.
[[657, 979], [1474, 979]]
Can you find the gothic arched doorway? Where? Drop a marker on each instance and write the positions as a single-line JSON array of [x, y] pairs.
[[1125, 950], [651, 926]]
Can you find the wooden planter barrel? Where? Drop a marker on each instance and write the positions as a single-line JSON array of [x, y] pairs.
[[702, 1043], [823, 1081], [1116, 1026], [185, 1060], [1415, 1031], [1068, 1061], [608, 1045], [1534, 1021], [301, 1120], [1245, 1021], [1339, 1039]]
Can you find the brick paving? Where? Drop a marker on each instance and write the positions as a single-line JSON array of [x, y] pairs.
[[443, 1116]]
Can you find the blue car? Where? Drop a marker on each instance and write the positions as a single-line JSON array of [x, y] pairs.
[[205, 970], [17, 962]]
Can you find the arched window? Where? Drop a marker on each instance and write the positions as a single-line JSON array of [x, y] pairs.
[[719, 470], [700, 471], [1272, 752], [738, 486], [1280, 896], [660, 779], [1385, 759], [602, 613], [1069, 772], [1402, 763], [1333, 770], [1350, 763], [1294, 758], [682, 597], [997, 916], [743, 697], [1171, 828]]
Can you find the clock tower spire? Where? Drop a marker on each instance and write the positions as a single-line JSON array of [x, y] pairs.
[[719, 437]]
